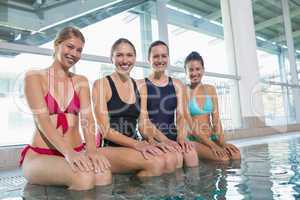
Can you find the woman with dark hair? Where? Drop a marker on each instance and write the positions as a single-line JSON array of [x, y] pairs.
[[204, 117], [117, 106], [60, 101], [165, 107]]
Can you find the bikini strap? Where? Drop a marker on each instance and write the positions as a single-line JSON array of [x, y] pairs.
[[49, 83], [72, 84]]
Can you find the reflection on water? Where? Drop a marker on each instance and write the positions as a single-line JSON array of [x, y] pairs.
[[267, 171]]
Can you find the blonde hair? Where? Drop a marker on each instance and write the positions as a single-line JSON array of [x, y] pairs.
[[66, 33]]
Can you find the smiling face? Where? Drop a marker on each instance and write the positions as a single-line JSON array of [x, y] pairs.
[[68, 52], [195, 71], [159, 57], [123, 57]]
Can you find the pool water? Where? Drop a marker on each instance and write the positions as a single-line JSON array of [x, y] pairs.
[[267, 171]]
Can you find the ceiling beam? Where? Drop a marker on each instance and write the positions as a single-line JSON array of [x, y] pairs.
[[282, 37], [275, 20], [188, 8]]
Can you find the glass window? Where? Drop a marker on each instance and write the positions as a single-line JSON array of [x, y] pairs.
[[101, 28], [16, 119], [295, 21], [273, 62], [131, 24], [271, 41], [197, 28], [278, 105]]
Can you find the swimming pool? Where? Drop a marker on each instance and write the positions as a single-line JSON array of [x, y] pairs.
[[267, 171]]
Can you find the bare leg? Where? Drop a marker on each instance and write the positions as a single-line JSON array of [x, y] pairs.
[[172, 161], [179, 160], [38, 169], [124, 160], [234, 155], [205, 152], [191, 158]]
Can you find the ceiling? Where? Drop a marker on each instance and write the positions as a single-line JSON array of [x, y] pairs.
[[35, 22]]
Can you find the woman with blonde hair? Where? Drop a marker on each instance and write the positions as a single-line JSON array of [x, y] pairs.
[[60, 102]]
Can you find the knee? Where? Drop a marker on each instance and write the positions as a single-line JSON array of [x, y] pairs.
[[103, 178], [179, 163], [236, 156], [156, 166], [82, 181], [171, 162], [191, 158]]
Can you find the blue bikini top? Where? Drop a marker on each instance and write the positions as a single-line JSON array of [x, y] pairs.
[[195, 108]]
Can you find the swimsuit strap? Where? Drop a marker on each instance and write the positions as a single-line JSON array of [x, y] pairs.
[[72, 84]]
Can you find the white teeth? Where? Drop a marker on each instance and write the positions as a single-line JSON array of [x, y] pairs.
[[70, 59], [125, 66]]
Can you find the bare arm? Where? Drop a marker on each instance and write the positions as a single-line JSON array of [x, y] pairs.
[[35, 98], [215, 118], [99, 163], [181, 110], [86, 115]]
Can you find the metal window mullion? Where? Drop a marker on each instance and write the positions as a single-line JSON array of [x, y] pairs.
[[291, 55]]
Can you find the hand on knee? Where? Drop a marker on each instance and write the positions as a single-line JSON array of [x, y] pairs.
[[191, 158], [153, 167]]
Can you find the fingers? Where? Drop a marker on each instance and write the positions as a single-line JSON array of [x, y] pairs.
[[79, 164], [73, 167], [170, 148], [177, 147], [100, 163], [153, 151], [184, 147], [190, 146], [235, 149], [145, 155], [164, 148], [90, 164]]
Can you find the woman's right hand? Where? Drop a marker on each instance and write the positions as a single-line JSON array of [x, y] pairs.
[[79, 161], [218, 151], [147, 149]]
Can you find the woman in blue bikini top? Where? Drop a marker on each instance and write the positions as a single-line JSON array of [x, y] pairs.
[[203, 118]]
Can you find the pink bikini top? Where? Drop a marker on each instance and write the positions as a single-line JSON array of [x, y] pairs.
[[72, 108]]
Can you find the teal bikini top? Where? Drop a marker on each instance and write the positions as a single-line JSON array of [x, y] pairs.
[[195, 109]]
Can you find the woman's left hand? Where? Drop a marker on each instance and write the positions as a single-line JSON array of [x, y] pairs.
[[186, 146], [100, 162], [231, 149]]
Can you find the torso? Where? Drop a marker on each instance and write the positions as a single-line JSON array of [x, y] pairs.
[[123, 105], [161, 106], [72, 135], [202, 122]]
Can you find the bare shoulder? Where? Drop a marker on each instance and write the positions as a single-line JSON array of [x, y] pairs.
[[140, 83], [100, 83], [211, 89], [35, 75], [178, 83], [79, 78]]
